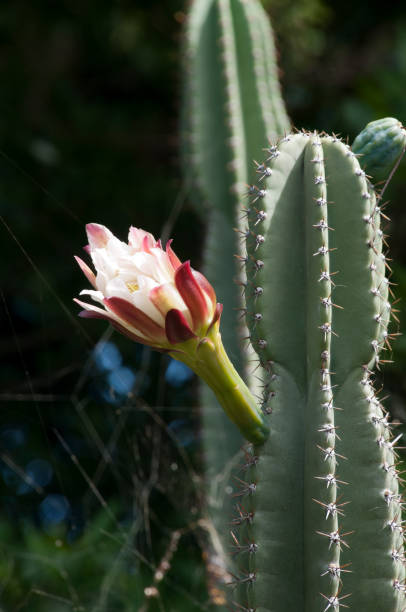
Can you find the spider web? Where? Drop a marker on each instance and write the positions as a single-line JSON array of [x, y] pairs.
[[100, 463]]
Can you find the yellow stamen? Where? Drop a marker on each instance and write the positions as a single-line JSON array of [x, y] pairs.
[[132, 286]]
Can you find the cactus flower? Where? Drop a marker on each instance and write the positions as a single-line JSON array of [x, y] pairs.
[[146, 293]]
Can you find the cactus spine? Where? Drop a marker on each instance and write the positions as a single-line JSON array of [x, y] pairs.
[[323, 512]]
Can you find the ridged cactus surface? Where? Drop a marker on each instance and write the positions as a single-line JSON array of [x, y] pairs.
[[233, 101], [319, 525], [232, 106]]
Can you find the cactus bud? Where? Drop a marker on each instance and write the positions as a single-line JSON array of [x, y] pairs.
[[379, 145], [146, 293]]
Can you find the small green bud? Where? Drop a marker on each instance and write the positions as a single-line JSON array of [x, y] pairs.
[[379, 145]]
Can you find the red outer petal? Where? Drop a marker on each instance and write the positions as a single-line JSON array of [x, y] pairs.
[[89, 314], [177, 328], [216, 317], [191, 293], [86, 271], [158, 244], [129, 334], [135, 317], [174, 259], [205, 285]]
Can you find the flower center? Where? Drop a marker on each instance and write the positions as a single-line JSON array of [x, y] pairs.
[[132, 286]]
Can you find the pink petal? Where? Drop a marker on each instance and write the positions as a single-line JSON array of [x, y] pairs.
[[177, 328], [98, 235], [135, 317], [146, 244], [87, 249], [92, 312], [191, 293], [206, 286], [88, 314], [137, 238], [164, 297], [86, 271], [175, 261], [216, 317]]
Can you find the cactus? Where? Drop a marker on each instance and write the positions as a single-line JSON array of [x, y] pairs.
[[233, 101], [320, 524], [379, 145], [232, 107]]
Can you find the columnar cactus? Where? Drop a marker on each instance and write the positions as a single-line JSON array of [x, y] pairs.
[[233, 106], [320, 523]]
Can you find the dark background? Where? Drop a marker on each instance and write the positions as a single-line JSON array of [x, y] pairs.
[[100, 472]]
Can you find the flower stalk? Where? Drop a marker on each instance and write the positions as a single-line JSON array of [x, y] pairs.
[[210, 361]]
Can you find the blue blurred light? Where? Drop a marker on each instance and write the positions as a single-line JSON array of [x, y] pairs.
[[53, 509], [107, 357], [183, 431], [12, 437], [121, 380], [177, 373], [39, 473], [10, 477]]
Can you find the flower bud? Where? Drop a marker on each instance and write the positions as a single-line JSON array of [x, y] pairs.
[[146, 293]]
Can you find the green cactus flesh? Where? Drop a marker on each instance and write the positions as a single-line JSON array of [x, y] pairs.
[[232, 95], [379, 145], [232, 103], [320, 527]]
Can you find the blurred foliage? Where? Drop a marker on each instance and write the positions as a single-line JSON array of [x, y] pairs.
[[88, 132]]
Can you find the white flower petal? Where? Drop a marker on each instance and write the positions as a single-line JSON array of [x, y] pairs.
[[97, 296], [136, 238]]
